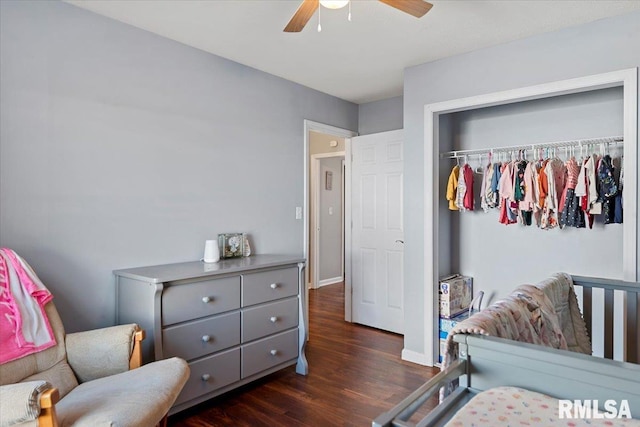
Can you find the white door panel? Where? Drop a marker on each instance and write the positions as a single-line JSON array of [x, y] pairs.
[[377, 233]]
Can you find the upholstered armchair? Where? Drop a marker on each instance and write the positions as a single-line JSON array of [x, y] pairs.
[[92, 378]]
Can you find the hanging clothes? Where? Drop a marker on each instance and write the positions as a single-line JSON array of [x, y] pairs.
[[581, 185], [559, 179], [582, 192], [608, 188], [461, 191], [550, 192], [452, 188], [543, 184], [512, 206], [529, 187], [571, 214], [518, 185], [537, 206], [468, 201], [554, 172], [485, 188], [595, 206], [493, 196], [505, 188]]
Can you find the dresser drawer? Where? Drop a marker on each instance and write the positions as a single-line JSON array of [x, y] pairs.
[[269, 285], [269, 352], [211, 374], [199, 299], [268, 319], [201, 337]]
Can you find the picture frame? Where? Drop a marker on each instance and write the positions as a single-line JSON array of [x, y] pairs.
[[328, 180], [231, 245]]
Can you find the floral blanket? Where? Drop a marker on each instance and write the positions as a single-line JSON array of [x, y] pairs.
[[540, 314], [560, 291]]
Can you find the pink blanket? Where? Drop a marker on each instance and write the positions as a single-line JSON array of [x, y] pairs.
[[24, 326]]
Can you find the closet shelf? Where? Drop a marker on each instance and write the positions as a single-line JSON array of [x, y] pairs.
[[605, 141]]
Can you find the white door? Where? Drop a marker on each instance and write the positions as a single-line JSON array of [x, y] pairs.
[[377, 234]]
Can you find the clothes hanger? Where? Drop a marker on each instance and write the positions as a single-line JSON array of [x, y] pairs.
[[479, 169]]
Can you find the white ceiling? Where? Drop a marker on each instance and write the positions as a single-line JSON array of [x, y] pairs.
[[359, 61]]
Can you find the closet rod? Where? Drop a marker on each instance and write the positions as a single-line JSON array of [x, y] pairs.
[[571, 143]]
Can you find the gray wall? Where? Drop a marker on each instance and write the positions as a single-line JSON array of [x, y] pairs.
[[330, 223], [380, 116], [601, 46], [119, 148]]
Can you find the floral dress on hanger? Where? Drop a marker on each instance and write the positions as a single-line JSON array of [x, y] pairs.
[[572, 214], [608, 189]]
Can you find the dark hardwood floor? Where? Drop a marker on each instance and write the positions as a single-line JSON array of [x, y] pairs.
[[355, 373]]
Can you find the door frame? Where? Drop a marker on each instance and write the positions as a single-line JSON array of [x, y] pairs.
[[310, 125], [628, 79], [316, 181]]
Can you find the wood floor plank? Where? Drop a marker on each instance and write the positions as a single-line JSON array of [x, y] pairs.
[[355, 373]]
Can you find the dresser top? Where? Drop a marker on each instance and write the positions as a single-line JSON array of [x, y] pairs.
[[189, 270]]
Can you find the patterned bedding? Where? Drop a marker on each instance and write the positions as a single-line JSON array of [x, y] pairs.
[[512, 406]]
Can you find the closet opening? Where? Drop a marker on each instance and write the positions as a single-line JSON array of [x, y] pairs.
[[499, 257]]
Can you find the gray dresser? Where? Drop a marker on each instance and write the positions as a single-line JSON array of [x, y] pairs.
[[234, 321]]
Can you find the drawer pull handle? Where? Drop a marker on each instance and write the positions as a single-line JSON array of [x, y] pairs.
[[274, 285], [274, 352], [206, 338], [273, 319], [206, 377], [207, 300]]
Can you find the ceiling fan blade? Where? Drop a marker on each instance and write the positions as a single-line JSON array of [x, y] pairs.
[[302, 16], [416, 8]]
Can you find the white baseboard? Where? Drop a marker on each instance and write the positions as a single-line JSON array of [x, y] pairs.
[[331, 281], [414, 357]]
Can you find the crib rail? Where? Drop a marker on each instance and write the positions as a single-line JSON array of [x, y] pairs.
[[631, 306], [399, 415]]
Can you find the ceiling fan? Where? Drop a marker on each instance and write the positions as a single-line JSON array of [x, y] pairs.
[[307, 8]]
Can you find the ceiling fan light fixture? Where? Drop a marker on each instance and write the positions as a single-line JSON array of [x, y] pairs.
[[334, 4], [307, 8]]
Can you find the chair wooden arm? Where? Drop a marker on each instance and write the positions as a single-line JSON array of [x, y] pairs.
[[48, 400], [136, 355]]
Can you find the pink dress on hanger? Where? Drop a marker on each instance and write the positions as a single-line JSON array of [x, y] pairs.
[[468, 181]]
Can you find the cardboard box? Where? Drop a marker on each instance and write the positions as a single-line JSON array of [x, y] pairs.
[[456, 293], [446, 325]]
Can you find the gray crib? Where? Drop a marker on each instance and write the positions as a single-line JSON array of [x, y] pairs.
[[486, 362]]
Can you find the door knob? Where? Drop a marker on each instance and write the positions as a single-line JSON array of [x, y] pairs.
[[400, 241]]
